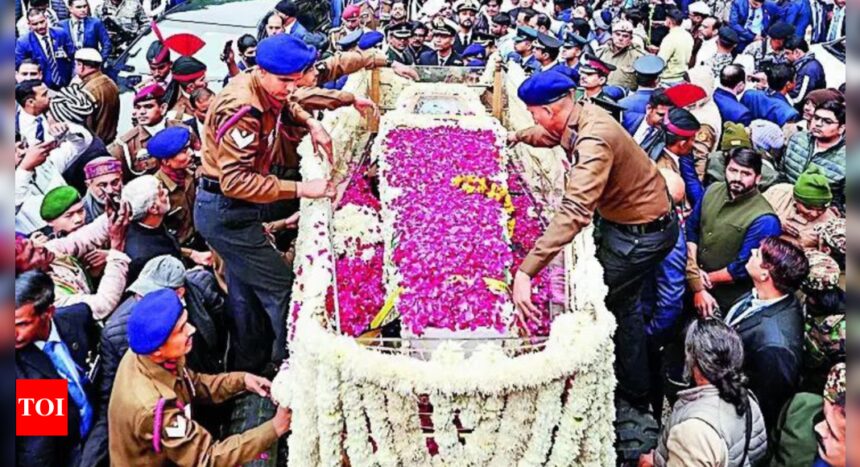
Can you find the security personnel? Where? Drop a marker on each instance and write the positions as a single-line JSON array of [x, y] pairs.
[[236, 182], [398, 44], [475, 55], [546, 49], [524, 49], [172, 148], [571, 52], [593, 73], [189, 74], [613, 176], [351, 23], [151, 405], [443, 41], [648, 69], [620, 52], [349, 42]]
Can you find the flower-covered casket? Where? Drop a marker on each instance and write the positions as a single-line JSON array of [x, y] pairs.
[[405, 347]]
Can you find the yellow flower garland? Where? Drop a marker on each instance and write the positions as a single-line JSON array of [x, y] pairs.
[[471, 184]]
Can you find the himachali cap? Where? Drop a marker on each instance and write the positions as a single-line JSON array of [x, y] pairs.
[[401, 31], [573, 39], [545, 41], [592, 64], [350, 40], [728, 36], [780, 30], [58, 201], [681, 122], [102, 166], [649, 65], [284, 54], [699, 8], [188, 69], [169, 142], [370, 39], [152, 320], [502, 19], [88, 55], [525, 33], [824, 272], [152, 91], [351, 12], [544, 88]]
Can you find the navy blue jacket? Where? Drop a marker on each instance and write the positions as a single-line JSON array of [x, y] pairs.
[[798, 13], [28, 46], [95, 35], [731, 110], [77, 330], [809, 77], [769, 105], [738, 20], [634, 109], [431, 58]]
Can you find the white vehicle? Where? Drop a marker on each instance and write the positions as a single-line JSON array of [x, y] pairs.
[[832, 58]]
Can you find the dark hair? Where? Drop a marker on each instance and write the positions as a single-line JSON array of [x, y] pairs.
[[34, 287], [779, 75], [28, 61], [543, 20], [26, 90], [732, 75], [837, 107], [658, 98], [718, 23], [648, 81], [745, 157], [786, 263], [825, 302], [71, 2], [553, 53], [528, 14], [287, 8], [33, 12], [718, 352], [199, 95], [245, 42], [797, 42]]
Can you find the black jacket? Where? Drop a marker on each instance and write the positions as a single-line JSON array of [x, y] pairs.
[[142, 244], [78, 331], [773, 348], [206, 312], [432, 59]]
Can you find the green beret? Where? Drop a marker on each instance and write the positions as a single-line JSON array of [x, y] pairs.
[[734, 136], [57, 201], [812, 188]]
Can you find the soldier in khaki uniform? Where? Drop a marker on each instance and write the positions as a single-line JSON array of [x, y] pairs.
[[172, 148], [154, 395], [105, 93], [621, 53], [237, 183], [351, 22], [612, 175]]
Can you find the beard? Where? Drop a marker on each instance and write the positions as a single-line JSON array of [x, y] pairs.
[[737, 189], [467, 23]]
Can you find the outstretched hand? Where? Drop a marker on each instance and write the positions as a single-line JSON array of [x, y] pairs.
[[404, 71]]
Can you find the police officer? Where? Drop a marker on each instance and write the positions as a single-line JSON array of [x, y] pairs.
[[524, 49], [398, 44], [647, 69], [546, 50], [593, 73], [154, 394], [613, 176], [236, 181], [443, 41]]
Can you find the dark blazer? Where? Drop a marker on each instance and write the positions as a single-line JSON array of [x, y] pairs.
[[95, 35], [731, 110], [634, 109], [769, 105], [773, 348], [143, 244], [77, 330], [431, 58], [459, 45], [29, 46], [738, 20]]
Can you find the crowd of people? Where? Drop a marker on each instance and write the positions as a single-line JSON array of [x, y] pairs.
[[703, 134]]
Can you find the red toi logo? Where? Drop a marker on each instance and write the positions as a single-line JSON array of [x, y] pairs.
[[42, 407]]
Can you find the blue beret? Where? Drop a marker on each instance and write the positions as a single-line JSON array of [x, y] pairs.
[[476, 62], [649, 65], [152, 320], [284, 54], [351, 39], [370, 39], [545, 88], [474, 50], [168, 142]]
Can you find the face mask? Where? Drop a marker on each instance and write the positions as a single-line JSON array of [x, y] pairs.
[[251, 61]]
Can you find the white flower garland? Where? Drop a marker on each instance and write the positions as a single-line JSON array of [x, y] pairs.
[[513, 430], [548, 412], [374, 400], [330, 418], [353, 224], [358, 447]]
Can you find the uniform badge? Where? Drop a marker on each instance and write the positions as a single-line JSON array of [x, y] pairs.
[[241, 138], [178, 428]]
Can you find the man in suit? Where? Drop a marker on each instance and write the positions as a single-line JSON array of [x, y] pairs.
[[750, 19], [52, 48], [85, 30], [466, 11], [647, 69], [53, 343], [443, 42], [732, 83], [773, 104], [770, 322], [289, 12]]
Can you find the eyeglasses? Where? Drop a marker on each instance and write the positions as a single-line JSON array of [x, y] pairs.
[[824, 120]]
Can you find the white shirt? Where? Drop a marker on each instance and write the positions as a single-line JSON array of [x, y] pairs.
[[706, 51], [53, 336], [641, 132], [734, 317]]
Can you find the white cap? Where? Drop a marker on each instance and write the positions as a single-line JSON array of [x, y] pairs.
[[88, 55], [700, 8]]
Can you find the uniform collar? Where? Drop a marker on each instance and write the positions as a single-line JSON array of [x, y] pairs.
[[262, 97], [53, 336], [163, 379]]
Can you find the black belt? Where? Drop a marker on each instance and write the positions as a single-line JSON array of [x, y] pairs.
[[210, 185], [657, 225]]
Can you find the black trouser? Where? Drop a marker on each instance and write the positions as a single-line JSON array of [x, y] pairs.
[[628, 259]]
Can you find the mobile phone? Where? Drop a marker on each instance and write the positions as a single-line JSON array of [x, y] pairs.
[[228, 47]]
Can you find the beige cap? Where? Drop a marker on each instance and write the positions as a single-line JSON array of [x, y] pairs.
[[88, 55]]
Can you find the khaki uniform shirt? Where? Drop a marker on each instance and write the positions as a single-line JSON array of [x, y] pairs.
[[140, 384], [610, 174], [623, 61], [180, 219], [130, 149], [795, 228], [104, 120]]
